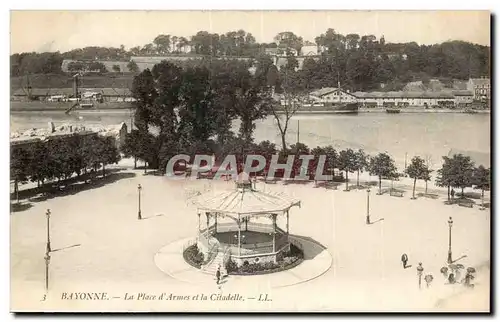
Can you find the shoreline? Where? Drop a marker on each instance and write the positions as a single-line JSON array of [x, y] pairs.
[[127, 109]]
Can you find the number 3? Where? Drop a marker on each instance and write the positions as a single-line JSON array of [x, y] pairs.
[[44, 297]]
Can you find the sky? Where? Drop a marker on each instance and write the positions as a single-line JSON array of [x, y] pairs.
[[65, 30]]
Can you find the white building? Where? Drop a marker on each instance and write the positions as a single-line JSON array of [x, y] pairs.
[[309, 49], [405, 99], [332, 95], [481, 88]]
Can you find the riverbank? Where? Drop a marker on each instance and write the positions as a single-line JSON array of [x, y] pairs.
[[423, 110], [20, 106]]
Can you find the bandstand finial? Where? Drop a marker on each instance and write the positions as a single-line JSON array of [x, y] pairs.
[[243, 181]]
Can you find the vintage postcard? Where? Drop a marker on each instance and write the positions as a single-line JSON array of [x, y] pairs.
[[250, 161]]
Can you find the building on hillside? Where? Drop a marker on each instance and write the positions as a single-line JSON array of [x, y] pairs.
[[463, 98], [405, 99], [271, 51], [481, 88], [309, 49], [332, 95]]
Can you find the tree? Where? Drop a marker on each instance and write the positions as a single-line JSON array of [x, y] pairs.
[[361, 163], [132, 66], [131, 147], [20, 159], [417, 170], [107, 151], [347, 163], [383, 166], [462, 170], [292, 88], [482, 180], [331, 159], [444, 178], [116, 68], [162, 43], [288, 40]]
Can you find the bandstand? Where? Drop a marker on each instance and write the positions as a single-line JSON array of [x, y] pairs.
[[241, 224]]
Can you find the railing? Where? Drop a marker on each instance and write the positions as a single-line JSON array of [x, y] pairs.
[[212, 253], [227, 256]]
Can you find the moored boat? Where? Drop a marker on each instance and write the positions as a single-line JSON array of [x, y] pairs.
[[393, 110]]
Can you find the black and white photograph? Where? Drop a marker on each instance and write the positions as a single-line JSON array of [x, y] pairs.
[[250, 161]]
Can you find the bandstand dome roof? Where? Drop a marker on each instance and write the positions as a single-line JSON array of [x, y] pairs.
[[245, 201]]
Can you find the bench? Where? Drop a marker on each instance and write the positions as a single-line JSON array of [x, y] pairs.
[[397, 193], [466, 204]]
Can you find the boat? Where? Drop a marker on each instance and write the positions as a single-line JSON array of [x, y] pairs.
[[393, 110], [470, 111], [339, 107], [86, 105]]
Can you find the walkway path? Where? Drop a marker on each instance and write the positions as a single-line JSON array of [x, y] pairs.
[[317, 261]]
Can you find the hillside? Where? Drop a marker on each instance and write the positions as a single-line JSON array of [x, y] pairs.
[[109, 80]]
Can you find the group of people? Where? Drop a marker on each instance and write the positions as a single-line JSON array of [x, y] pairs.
[[451, 277]]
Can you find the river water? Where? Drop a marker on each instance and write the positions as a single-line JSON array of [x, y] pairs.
[[430, 135]]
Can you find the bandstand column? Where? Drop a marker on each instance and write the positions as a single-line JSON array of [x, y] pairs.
[[208, 220], [199, 225], [287, 225], [246, 223], [274, 233], [239, 236], [215, 223]]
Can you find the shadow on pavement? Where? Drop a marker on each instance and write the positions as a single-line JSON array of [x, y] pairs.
[[312, 252], [71, 187], [18, 207]]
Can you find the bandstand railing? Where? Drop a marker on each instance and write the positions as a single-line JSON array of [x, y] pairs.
[[212, 253]]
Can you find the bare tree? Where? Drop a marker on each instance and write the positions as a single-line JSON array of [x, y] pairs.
[[283, 112]]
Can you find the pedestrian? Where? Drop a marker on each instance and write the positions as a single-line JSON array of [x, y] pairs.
[[428, 279], [217, 275], [468, 279], [404, 259], [420, 270], [451, 278]]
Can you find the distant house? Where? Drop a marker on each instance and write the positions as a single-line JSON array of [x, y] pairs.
[[271, 51], [309, 49], [463, 97], [332, 95], [481, 88]]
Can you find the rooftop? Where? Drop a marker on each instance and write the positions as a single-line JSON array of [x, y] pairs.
[[246, 202]]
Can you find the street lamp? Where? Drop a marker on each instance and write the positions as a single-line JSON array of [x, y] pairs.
[[139, 188], [47, 261], [48, 231], [450, 224], [368, 206]]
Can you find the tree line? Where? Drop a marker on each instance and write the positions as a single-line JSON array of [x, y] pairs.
[[361, 62], [60, 158]]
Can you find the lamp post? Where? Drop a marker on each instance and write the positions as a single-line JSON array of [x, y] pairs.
[[48, 231], [139, 188], [368, 206], [47, 261], [450, 224]]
